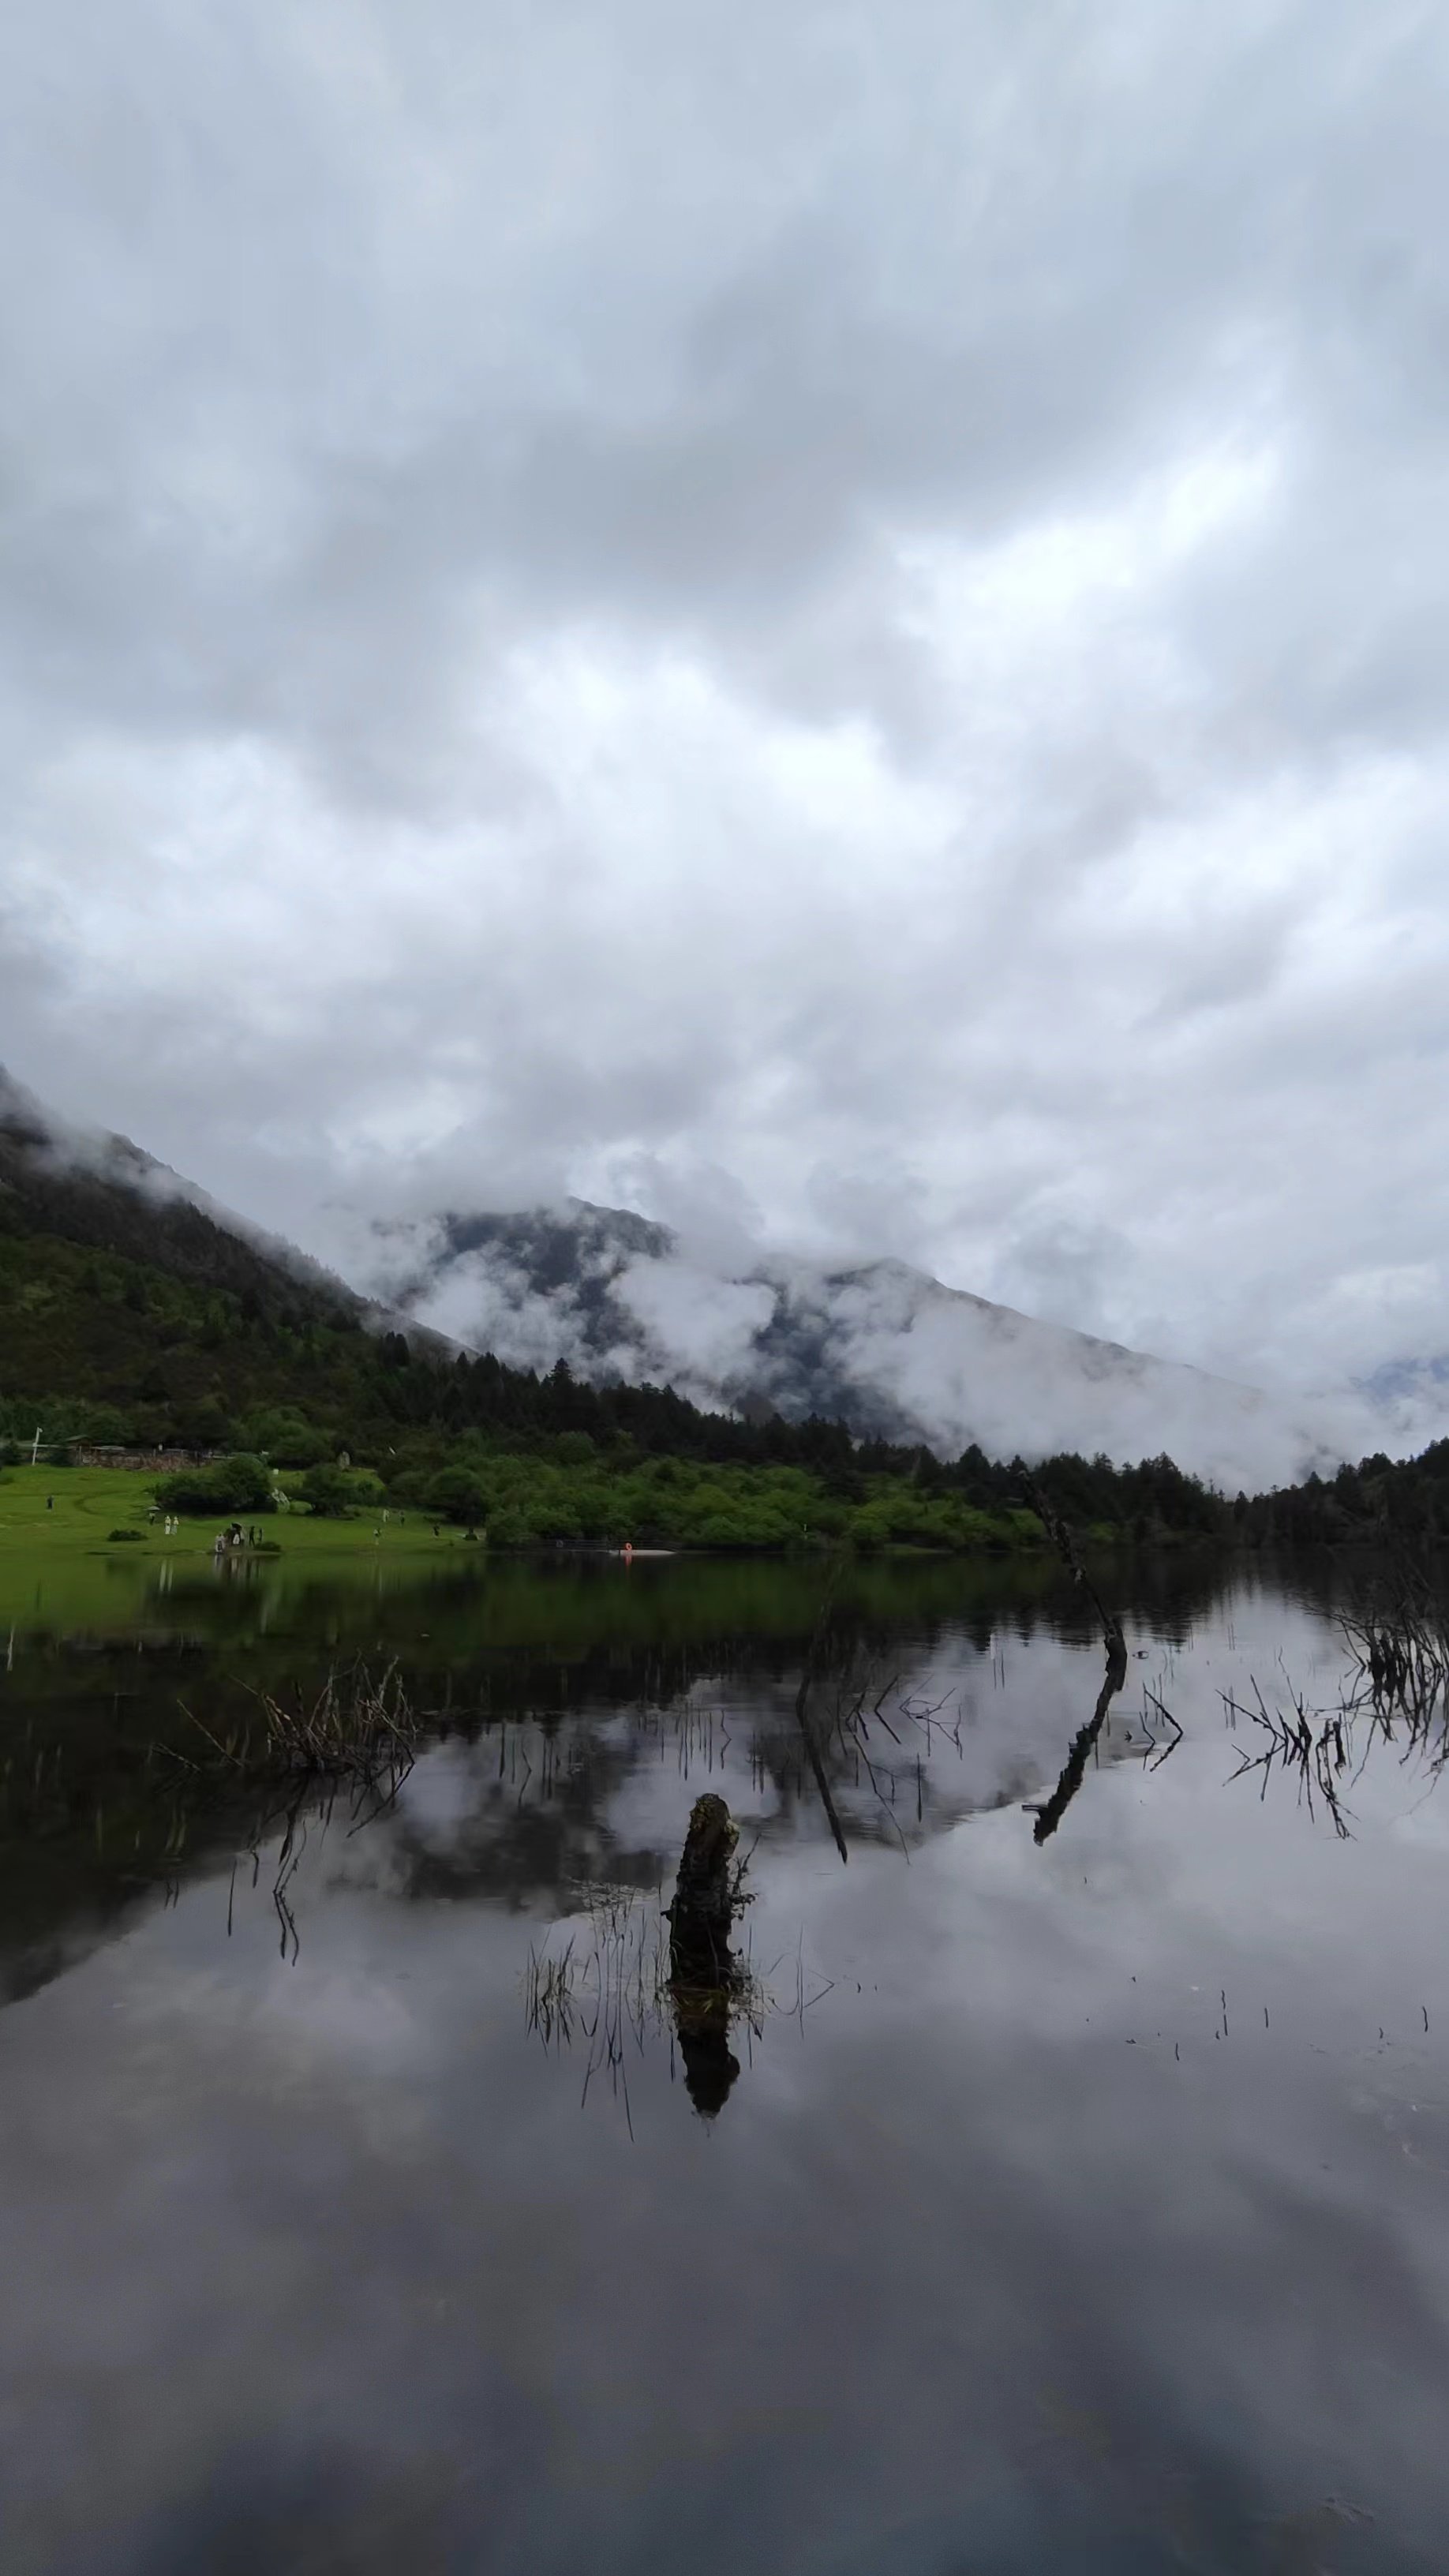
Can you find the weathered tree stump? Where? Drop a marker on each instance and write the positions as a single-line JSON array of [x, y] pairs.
[[704, 1974], [704, 1891]]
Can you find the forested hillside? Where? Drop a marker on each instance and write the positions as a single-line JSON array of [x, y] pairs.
[[114, 1198], [1400, 1499], [130, 1313], [213, 1346]]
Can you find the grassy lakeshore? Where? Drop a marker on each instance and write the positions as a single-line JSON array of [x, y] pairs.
[[78, 1541], [61, 1567], [87, 1503]]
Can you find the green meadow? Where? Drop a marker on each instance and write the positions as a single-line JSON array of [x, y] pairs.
[[64, 1508], [57, 1551]]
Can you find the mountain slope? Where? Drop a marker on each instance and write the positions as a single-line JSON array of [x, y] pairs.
[[104, 1193], [131, 1306]]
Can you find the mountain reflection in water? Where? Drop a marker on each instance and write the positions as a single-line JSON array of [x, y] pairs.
[[1000, 2200]]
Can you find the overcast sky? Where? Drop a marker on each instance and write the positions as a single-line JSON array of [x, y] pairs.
[[830, 615]]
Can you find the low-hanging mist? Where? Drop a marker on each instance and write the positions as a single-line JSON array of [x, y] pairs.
[[878, 1344]]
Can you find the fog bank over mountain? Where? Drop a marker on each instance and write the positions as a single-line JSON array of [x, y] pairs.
[[879, 1344], [730, 1324]]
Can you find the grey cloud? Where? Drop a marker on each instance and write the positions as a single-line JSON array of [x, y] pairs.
[[851, 602], [596, 427]]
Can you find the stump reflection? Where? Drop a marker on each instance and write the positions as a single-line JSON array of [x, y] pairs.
[[706, 1977], [629, 1970]]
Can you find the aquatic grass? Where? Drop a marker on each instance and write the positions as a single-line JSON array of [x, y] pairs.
[[606, 1990], [615, 1983], [355, 1729], [1395, 1693], [1399, 1642], [354, 1737]]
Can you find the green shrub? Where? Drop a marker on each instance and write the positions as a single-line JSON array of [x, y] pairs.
[[456, 1494], [286, 1440], [239, 1484], [328, 1491], [574, 1449]]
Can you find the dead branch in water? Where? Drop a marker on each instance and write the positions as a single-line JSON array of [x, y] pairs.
[[1399, 1641], [1050, 1812], [1066, 1548], [1310, 1745], [802, 1716]]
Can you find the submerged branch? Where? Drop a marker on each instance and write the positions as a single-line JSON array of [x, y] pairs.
[[802, 1716], [1050, 1813], [1066, 1548], [1311, 1745]]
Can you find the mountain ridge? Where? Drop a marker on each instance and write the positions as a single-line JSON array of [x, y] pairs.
[[623, 1299]]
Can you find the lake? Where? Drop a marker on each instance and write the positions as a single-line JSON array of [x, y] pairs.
[[1065, 2187]]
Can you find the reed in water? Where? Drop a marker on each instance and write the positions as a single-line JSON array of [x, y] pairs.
[[356, 1730]]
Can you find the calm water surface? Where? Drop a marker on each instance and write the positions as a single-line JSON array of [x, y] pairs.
[[1077, 2202]]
